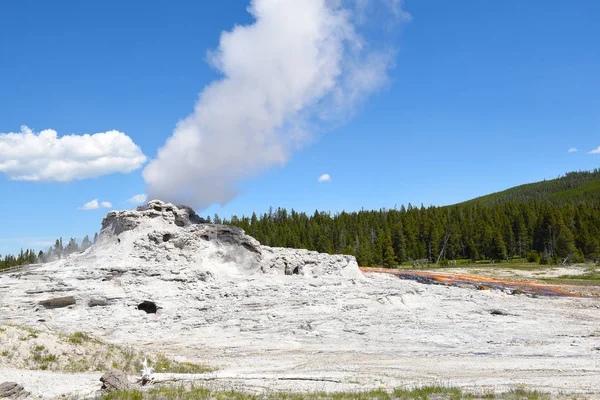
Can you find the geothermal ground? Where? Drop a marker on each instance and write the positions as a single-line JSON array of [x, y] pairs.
[[281, 319]]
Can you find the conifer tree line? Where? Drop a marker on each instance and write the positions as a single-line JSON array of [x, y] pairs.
[[28, 256], [538, 231], [57, 251]]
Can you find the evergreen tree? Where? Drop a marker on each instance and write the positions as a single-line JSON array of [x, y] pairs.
[[389, 256], [85, 243]]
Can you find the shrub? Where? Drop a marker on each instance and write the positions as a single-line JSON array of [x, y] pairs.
[[533, 256]]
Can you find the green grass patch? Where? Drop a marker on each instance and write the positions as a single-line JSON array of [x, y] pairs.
[[164, 364], [424, 393], [31, 333], [572, 280], [123, 395], [583, 277], [523, 394], [517, 264], [42, 357], [80, 338]]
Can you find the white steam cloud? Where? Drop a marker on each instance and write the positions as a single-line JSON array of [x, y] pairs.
[[300, 67], [28, 156]]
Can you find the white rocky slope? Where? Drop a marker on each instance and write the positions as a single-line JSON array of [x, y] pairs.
[[293, 319], [169, 242]]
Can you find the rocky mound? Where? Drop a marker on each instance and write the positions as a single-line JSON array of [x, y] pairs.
[[159, 258], [161, 239]]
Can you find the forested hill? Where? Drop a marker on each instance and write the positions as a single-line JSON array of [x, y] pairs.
[[538, 231], [573, 188], [545, 221]]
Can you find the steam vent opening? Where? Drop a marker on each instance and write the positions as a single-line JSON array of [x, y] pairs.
[[296, 271], [166, 237], [148, 306]]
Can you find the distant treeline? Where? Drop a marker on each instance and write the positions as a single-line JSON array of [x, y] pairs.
[[28, 256], [547, 221], [57, 251], [539, 231]]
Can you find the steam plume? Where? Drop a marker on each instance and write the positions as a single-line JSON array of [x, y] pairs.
[[300, 67]]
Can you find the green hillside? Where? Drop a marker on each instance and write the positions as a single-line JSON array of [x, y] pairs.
[[574, 187]]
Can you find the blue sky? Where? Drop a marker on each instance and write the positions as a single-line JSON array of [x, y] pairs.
[[484, 95]]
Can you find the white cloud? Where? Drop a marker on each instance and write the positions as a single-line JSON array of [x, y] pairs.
[[94, 205], [573, 150], [595, 151], [300, 68], [138, 199], [90, 205], [324, 178], [30, 156]]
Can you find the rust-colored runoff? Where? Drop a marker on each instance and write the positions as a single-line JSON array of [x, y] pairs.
[[474, 281]]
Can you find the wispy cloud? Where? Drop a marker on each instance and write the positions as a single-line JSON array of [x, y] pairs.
[[324, 178], [363, 8], [573, 150], [43, 243], [44, 157], [138, 199], [595, 151], [94, 205]]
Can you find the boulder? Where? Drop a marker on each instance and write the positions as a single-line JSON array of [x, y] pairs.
[[11, 390], [113, 380], [58, 302], [98, 302]]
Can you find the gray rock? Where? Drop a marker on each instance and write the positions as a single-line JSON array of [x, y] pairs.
[[98, 302], [113, 380], [121, 221], [11, 390], [58, 302]]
